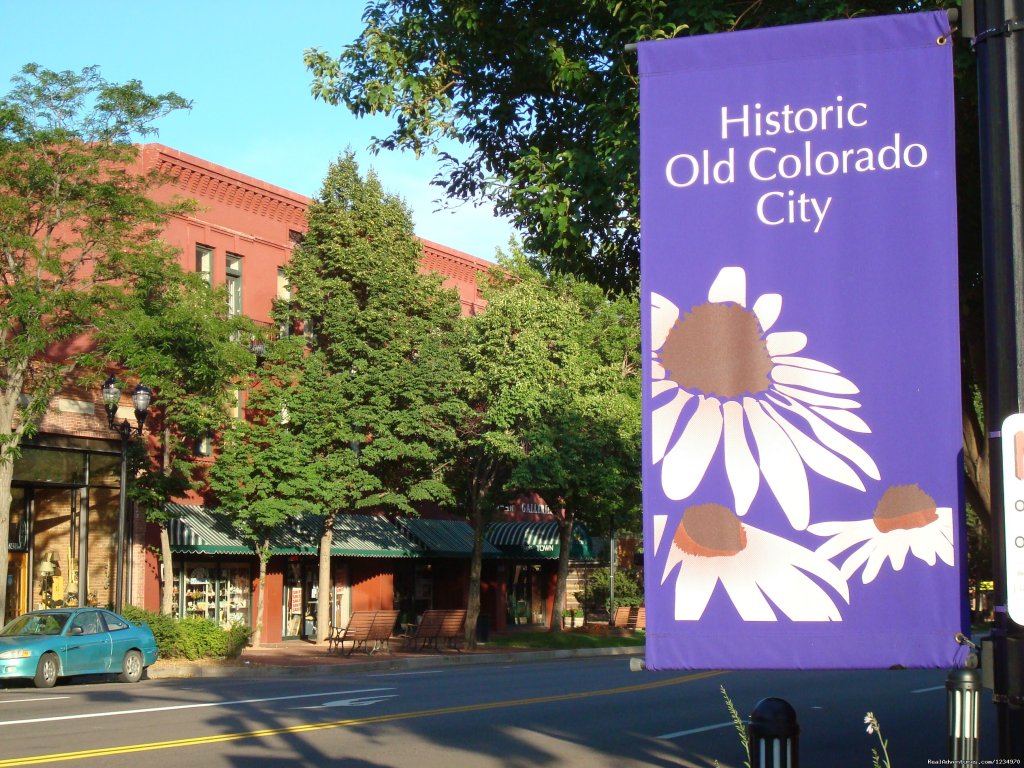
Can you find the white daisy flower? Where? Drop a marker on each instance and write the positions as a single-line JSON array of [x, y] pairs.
[[905, 520], [758, 570], [719, 374]]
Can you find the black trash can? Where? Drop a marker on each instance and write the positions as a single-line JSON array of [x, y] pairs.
[[483, 628]]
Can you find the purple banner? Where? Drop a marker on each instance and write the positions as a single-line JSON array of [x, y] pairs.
[[802, 494]]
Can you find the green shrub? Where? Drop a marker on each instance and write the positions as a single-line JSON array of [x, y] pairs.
[[629, 590], [191, 638]]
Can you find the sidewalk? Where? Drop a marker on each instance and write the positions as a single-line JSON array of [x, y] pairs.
[[298, 657]]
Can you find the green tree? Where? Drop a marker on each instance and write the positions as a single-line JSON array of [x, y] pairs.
[[175, 334], [554, 404], [533, 107], [259, 459], [77, 234], [377, 400]]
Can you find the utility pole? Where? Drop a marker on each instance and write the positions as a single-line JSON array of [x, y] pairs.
[[996, 28]]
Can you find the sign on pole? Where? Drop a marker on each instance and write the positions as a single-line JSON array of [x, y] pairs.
[[1013, 513], [802, 500]]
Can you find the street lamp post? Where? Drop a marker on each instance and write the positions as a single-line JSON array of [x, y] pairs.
[[141, 397]]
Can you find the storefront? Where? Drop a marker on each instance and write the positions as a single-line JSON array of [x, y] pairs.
[[532, 547], [64, 511], [215, 574]]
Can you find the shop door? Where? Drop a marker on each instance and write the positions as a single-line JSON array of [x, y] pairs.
[[15, 605], [300, 599]]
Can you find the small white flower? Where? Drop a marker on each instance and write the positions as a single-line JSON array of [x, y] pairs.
[[906, 520]]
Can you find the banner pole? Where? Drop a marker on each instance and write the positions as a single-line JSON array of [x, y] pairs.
[[1000, 75]]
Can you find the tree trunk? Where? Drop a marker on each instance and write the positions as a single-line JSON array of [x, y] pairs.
[[261, 593], [475, 569], [167, 593], [323, 601], [564, 545], [167, 587], [6, 475]]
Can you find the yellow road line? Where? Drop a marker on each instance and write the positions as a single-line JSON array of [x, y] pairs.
[[265, 732]]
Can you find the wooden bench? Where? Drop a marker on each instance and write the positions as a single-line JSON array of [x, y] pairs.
[[630, 617], [438, 625], [369, 629]]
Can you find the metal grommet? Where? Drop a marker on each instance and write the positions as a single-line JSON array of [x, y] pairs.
[[941, 40]]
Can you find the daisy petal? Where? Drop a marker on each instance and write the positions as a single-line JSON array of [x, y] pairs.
[[686, 463], [797, 596], [675, 557], [785, 343], [659, 530], [857, 559], [660, 387], [730, 285], [804, 362], [815, 398], [923, 549], [748, 599], [844, 419], [744, 475], [657, 371], [822, 461], [694, 588], [846, 535], [834, 440], [663, 424], [823, 382], [767, 309], [781, 465], [663, 316]]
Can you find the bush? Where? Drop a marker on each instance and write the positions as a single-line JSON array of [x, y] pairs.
[[190, 638], [628, 590]]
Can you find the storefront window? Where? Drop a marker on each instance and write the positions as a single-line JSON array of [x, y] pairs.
[[17, 538], [216, 591], [48, 466]]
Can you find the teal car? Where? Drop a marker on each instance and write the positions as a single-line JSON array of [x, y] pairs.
[[45, 645]]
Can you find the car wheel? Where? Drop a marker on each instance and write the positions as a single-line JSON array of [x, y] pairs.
[[47, 671], [131, 667]]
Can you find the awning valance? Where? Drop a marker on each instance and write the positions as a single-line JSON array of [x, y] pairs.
[[537, 539], [445, 538], [200, 530]]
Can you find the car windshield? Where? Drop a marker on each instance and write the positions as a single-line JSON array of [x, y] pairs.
[[36, 624]]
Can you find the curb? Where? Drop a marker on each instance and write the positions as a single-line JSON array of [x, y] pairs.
[[250, 670]]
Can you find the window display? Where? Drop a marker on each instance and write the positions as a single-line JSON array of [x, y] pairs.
[[215, 591]]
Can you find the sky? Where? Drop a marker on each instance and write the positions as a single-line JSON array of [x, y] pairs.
[[240, 63]]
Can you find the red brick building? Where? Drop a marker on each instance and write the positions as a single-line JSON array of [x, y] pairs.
[[67, 484]]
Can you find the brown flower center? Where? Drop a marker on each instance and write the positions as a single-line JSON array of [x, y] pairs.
[[904, 506], [717, 349], [710, 530]]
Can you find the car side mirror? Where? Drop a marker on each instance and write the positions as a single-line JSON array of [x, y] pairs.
[[77, 631]]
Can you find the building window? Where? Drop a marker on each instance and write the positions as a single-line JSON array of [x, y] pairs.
[[204, 445], [238, 410], [233, 275], [285, 295], [204, 263]]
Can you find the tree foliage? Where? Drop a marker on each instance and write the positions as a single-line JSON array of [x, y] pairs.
[[78, 235], [532, 105], [371, 403]]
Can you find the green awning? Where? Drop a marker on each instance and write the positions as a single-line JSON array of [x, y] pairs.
[[352, 536], [537, 539], [196, 530], [200, 530], [445, 538]]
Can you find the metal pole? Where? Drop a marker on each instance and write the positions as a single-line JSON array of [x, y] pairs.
[[963, 704], [999, 55], [121, 513], [773, 735]]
